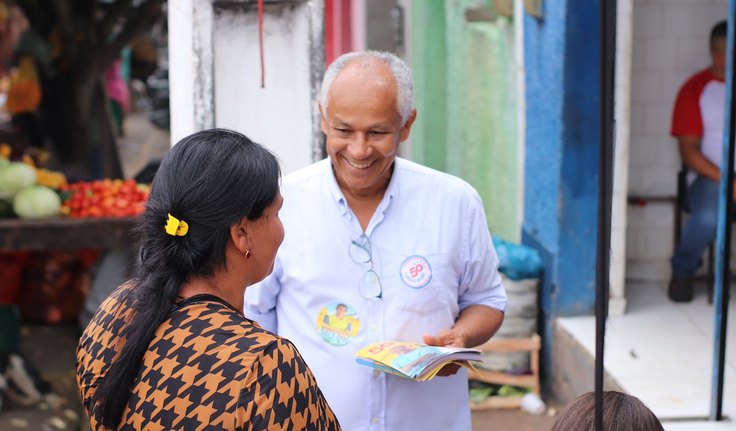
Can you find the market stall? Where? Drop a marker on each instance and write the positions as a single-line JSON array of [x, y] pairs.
[[65, 233], [52, 235]]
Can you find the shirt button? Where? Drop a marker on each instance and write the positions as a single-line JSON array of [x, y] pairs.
[[375, 420], [376, 373], [374, 328]]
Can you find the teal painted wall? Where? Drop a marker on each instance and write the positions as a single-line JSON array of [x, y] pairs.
[[466, 102], [429, 64]]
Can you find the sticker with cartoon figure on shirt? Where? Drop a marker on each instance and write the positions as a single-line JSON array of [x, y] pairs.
[[416, 272], [338, 323]]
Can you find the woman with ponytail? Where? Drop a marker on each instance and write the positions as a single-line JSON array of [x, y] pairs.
[[171, 349]]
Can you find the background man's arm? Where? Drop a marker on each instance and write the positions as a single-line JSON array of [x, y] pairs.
[[694, 159]]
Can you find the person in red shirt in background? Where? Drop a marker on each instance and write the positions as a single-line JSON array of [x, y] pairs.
[[697, 124]]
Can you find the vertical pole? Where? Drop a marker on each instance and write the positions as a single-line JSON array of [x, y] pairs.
[[723, 233], [605, 189]]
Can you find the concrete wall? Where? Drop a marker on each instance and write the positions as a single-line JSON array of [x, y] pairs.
[[544, 45], [429, 64], [622, 118], [216, 78], [562, 54], [380, 32], [562, 142], [278, 115], [574, 369], [669, 43], [466, 103]]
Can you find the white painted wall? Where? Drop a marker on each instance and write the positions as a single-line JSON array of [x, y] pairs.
[[190, 63], [622, 112], [216, 76], [670, 43], [278, 115]]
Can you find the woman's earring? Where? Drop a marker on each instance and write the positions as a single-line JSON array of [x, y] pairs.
[[247, 254]]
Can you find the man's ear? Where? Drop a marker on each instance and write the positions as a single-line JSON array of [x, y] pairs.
[[322, 119], [406, 129]]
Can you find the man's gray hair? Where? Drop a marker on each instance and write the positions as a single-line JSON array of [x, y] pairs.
[[399, 69]]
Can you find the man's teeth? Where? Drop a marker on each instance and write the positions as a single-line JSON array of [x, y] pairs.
[[359, 165]]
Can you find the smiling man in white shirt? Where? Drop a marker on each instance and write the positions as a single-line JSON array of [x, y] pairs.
[[379, 248]]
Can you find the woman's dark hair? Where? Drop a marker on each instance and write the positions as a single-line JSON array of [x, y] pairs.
[[621, 412], [210, 180]]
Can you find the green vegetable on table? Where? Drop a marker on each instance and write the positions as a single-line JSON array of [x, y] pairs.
[[14, 177], [36, 202]]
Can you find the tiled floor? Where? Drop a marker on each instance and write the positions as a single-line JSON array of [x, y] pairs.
[[662, 352]]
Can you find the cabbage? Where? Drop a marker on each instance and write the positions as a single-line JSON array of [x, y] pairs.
[[35, 202], [14, 177]]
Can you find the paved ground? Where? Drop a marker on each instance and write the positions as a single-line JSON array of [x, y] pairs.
[[51, 350], [142, 143], [662, 353]]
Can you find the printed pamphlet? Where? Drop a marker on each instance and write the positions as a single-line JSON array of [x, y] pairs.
[[414, 361]]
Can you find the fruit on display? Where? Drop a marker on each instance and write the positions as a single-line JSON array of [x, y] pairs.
[[36, 202], [45, 177], [14, 177], [30, 192], [104, 198]]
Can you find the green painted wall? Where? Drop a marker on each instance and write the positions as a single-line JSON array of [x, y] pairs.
[[466, 100], [429, 63]]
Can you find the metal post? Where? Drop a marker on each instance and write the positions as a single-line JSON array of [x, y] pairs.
[[605, 190], [723, 235]]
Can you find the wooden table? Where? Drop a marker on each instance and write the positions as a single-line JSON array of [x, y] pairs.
[[56, 234], [66, 233]]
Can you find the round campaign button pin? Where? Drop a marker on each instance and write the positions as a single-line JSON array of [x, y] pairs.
[[338, 323], [416, 272]]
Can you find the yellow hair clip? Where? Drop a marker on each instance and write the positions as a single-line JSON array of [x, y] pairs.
[[176, 227]]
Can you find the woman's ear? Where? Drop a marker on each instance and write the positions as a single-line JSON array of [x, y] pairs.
[[239, 235]]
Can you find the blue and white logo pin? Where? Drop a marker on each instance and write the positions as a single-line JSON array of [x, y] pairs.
[[416, 272]]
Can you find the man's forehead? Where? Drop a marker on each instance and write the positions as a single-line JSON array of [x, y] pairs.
[[365, 73], [336, 120]]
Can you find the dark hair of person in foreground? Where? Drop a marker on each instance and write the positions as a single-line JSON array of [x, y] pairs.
[[621, 412]]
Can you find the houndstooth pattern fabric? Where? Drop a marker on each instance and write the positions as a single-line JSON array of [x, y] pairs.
[[207, 368]]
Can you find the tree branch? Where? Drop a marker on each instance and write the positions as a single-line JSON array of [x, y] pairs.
[[65, 27], [90, 42], [142, 19], [112, 16], [39, 18]]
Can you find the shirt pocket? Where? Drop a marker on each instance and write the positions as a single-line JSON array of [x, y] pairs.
[[426, 285]]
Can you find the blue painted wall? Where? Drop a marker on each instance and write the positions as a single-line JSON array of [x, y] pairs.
[[581, 145], [561, 163]]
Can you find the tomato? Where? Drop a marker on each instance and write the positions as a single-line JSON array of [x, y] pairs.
[[105, 198]]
